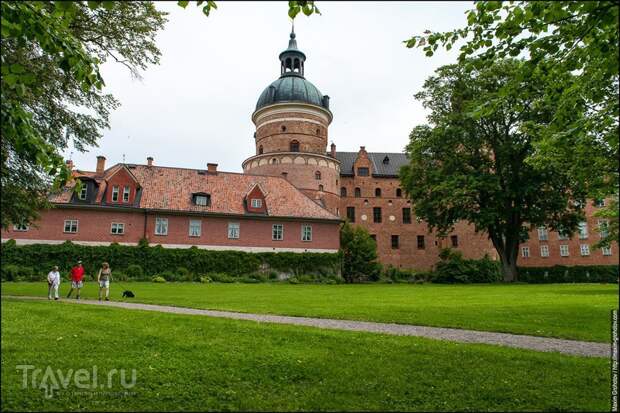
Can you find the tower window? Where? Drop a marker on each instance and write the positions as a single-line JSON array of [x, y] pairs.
[[358, 193], [283, 128], [377, 191], [318, 131], [317, 175], [343, 191], [294, 146], [274, 161], [260, 150], [399, 192], [321, 188]]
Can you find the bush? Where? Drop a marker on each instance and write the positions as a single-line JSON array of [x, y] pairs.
[[565, 274], [453, 268], [221, 278], [205, 279], [159, 279], [183, 274], [12, 272], [135, 271], [359, 251]]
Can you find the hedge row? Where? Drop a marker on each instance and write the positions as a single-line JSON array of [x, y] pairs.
[[156, 260], [573, 274]]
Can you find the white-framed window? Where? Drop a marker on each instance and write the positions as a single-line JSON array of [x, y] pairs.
[[126, 192], [257, 203], [20, 227], [585, 250], [583, 230], [277, 232], [83, 192], [564, 250], [606, 251], [161, 226], [233, 230], [525, 252], [603, 228], [201, 200], [599, 203], [195, 227], [306, 232], [117, 228], [115, 193], [563, 236], [71, 226], [544, 250], [543, 234]]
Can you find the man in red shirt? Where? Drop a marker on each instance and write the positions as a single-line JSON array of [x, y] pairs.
[[77, 275]]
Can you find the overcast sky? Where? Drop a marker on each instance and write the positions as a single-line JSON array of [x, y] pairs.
[[195, 107]]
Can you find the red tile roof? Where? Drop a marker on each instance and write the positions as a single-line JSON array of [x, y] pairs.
[[167, 188]]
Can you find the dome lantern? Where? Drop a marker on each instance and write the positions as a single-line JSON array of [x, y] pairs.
[[292, 59]]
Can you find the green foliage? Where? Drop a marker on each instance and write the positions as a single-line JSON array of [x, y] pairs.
[[174, 264], [307, 7], [220, 277], [359, 252], [158, 279], [574, 274], [476, 159], [205, 279], [453, 268]]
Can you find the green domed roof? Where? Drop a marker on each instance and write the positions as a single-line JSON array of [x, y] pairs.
[[290, 89]]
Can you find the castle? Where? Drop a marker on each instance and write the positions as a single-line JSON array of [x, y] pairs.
[[293, 195]]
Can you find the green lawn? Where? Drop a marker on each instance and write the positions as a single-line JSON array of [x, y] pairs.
[[201, 363], [575, 311]]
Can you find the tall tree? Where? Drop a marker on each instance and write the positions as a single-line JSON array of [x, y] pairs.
[[473, 161], [52, 91], [576, 37]]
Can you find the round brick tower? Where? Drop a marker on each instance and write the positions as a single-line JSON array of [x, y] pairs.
[[292, 118]]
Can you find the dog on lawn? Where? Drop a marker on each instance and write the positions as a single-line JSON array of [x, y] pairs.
[[128, 294]]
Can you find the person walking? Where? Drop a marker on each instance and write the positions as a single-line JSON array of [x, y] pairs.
[[77, 276], [53, 282], [103, 278]]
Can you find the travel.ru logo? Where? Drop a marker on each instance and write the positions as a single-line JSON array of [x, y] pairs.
[[50, 380]]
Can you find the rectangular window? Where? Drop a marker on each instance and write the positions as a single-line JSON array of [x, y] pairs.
[[126, 192], [543, 234], [599, 203], [257, 203], [195, 227], [71, 225], [606, 251], [603, 228], [202, 200], [585, 250], [454, 239], [20, 227], [83, 192], [544, 250], [376, 214], [351, 214], [115, 193], [564, 250], [117, 228], [563, 236], [306, 232], [277, 232], [525, 252], [583, 230], [406, 215], [233, 230], [395, 240], [363, 171], [161, 226], [421, 245]]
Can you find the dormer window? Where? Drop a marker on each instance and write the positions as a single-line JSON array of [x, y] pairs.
[[386, 160], [115, 193], [257, 203], [363, 171], [202, 199], [83, 192], [126, 192]]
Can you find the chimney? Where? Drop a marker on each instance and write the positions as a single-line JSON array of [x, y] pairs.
[[212, 168], [100, 164], [285, 175], [149, 161], [69, 163], [333, 150]]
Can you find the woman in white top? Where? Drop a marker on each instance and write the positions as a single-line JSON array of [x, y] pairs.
[[53, 282]]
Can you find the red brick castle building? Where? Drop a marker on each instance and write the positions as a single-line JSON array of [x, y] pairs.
[[292, 196]]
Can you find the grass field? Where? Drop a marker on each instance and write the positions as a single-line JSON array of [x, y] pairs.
[[574, 311], [201, 363]]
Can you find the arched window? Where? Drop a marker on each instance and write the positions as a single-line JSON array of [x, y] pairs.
[[260, 150], [288, 64], [358, 193], [318, 131], [399, 192], [377, 191], [294, 146], [343, 191], [283, 128], [321, 188], [296, 65], [317, 175], [274, 161]]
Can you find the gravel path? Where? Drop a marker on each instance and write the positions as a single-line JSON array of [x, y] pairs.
[[573, 347]]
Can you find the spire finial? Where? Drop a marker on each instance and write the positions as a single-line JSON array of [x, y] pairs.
[[293, 29]]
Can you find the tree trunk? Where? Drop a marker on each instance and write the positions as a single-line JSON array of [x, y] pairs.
[[508, 250], [509, 266]]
